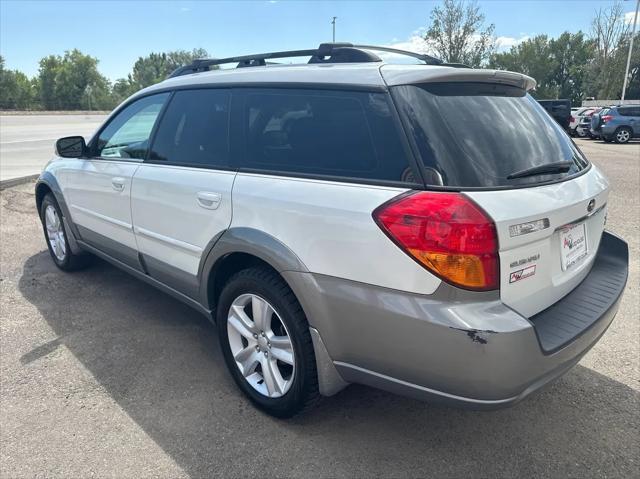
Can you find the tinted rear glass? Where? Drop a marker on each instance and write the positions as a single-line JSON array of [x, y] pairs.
[[328, 133], [476, 135]]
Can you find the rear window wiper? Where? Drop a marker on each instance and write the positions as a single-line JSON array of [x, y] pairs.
[[548, 169]]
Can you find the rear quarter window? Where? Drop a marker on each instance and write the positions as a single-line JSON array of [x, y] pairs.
[[629, 111], [477, 134], [324, 133]]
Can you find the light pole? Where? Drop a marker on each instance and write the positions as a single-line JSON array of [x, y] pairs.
[[633, 34], [89, 90], [333, 22]]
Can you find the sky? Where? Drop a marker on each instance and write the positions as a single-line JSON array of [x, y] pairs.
[[118, 32]]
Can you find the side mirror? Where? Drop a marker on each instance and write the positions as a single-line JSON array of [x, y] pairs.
[[71, 147]]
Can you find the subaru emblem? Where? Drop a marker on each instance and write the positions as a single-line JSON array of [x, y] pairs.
[[591, 205]]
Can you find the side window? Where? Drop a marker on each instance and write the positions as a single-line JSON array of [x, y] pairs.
[[195, 129], [629, 111], [347, 134], [127, 135]]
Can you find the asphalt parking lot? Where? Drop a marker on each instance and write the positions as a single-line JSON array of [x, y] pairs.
[[102, 375]]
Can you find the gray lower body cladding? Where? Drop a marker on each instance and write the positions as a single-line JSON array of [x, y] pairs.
[[463, 349]]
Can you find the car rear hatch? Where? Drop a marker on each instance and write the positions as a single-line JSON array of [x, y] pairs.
[[548, 237], [493, 143], [596, 120]]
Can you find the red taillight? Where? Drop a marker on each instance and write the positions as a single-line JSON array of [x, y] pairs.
[[447, 233], [606, 118], [572, 119]]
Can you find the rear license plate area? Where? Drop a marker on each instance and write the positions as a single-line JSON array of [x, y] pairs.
[[573, 245]]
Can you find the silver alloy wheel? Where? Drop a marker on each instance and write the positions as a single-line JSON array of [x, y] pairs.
[[261, 345], [622, 136], [55, 233]]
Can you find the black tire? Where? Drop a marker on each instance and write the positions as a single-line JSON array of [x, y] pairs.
[[70, 261], [628, 137], [303, 392]]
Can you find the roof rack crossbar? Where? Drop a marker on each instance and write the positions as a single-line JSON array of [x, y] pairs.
[[342, 52]]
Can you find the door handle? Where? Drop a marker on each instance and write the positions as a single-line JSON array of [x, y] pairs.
[[209, 200], [118, 183]]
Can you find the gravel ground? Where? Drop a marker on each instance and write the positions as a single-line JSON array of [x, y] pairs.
[[101, 375]]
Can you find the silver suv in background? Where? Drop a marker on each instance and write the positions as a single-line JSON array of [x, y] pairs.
[[425, 229]]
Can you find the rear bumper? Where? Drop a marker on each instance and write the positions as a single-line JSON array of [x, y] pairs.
[[460, 348]]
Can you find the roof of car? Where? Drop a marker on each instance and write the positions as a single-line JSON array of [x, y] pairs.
[[363, 75]]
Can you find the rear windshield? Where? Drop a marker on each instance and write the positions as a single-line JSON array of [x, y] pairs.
[[478, 135]]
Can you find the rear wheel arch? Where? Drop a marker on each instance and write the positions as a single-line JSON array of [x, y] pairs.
[[226, 267], [621, 129], [238, 249]]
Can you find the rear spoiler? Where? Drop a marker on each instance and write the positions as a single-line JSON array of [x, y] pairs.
[[394, 75]]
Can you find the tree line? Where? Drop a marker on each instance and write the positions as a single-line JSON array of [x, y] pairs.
[[72, 81], [576, 65]]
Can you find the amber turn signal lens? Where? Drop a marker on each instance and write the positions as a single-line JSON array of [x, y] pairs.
[[465, 270]]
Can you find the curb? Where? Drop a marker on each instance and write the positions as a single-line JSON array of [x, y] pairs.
[[4, 184]]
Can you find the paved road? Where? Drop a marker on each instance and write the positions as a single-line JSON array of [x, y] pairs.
[[103, 375], [26, 141]]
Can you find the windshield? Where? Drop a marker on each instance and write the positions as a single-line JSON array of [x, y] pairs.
[[479, 134]]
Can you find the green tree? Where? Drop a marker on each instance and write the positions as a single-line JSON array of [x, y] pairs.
[[121, 89], [532, 57], [47, 81], [559, 65], [156, 67], [572, 54], [16, 90], [457, 33], [72, 82]]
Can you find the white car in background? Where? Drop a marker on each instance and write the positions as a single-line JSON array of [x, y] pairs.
[[576, 116]]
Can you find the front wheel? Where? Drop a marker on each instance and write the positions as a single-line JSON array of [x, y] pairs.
[[266, 342], [56, 236], [622, 135]]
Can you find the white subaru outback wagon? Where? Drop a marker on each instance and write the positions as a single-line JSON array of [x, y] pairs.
[[426, 229]]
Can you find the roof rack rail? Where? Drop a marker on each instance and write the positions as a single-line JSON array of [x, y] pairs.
[[325, 53]]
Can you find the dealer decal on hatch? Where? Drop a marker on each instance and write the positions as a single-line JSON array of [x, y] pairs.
[[522, 273]]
